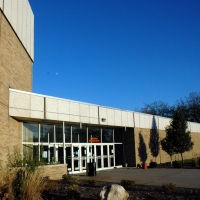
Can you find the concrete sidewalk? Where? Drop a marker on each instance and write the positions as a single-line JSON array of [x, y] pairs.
[[188, 178]]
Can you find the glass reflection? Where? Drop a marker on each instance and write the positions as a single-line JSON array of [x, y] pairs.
[[30, 132], [46, 133], [59, 133], [94, 135], [107, 135]]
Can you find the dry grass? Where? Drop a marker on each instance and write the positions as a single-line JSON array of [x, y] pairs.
[[6, 180], [33, 185]]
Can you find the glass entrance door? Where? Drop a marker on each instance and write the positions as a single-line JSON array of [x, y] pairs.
[[78, 155], [76, 158]]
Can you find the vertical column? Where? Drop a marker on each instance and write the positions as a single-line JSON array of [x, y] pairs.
[[95, 154], [102, 155], [71, 133], [72, 159], [55, 146], [114, 147], [64, 151], [39, 140], [101, 134], [108, 156], [87, 134], [80, 158], [114, 155]]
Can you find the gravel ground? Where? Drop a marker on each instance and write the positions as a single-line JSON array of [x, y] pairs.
[[87, 191]]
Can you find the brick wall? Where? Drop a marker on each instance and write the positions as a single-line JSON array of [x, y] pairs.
[[55, 172], [16, 72], [163, 157]]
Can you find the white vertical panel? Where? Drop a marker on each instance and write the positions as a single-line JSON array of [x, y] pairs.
[[194, 127], [124, 116], [7, 9], [142, 121], [24, 23], [103, 114], [1, 4], [118, 117], [94, 118], [14, 13], [84, 113], [32, 36], [20, 19], [28, 30], [111, 116], [74, 112], [163, 122], [51, 108], [137, 119], [63, 110], [130, 120]]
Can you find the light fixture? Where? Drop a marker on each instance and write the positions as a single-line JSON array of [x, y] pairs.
[[103, 119]]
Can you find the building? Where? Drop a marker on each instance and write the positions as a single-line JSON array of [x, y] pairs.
[[59, 130]]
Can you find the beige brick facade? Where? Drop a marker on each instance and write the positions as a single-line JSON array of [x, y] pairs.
[[15, 72], [163, 157]]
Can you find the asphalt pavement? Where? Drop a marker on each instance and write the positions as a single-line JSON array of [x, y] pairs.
[[187, 178]]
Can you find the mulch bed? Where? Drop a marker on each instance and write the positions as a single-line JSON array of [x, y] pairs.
[[59, 191]]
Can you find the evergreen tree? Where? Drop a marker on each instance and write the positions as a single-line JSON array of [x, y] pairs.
[[167, 144], [178, 138]]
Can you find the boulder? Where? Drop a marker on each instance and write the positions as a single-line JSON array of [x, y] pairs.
[[113, 192]]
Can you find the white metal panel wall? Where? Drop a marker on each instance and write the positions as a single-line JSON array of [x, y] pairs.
[[194, 127], [124, 118], [94, 114], [14, 13], [74, 112], [21, 18], [154, 123], [145, 121], [117, 117], [37, 106], [1, 4], [51, 106], [24, 25], [7, 9], [28, 28], [130, 120], [163, 122], [103, 115], [19, 104], [63, 110], [84, 113], [137, 120], [110, 116], [31, 36]]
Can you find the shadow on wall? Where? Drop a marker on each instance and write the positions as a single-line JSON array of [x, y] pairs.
[[154, 144], [142, 149]]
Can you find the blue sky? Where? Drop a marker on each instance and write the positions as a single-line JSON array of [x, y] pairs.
[[117, 53]]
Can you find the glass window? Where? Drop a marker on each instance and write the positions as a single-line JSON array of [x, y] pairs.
[[107, 135], [79, 135], [59, 133], [46, 133], [118, 135], [30, 152], [30, 132], [67, 134], [94, 135], [83, 135]]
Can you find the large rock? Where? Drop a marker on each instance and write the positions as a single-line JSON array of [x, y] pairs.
[[113, 192]]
